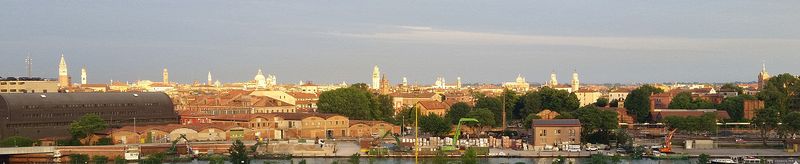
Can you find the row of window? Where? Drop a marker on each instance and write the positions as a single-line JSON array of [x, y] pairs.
[[72, 106], [19, 90], [12, 83], [557, 132]]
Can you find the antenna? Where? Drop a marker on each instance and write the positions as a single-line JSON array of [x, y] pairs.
[[29, 62]]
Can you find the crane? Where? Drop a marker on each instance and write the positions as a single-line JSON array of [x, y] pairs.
[[668, 142], [174, 148], [457, 134]]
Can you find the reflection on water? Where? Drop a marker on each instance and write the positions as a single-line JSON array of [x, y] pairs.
[[430, 160]]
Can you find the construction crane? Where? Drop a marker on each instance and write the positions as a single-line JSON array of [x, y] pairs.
[[457, 134], [398, 147], [667, 148], [174, 148]]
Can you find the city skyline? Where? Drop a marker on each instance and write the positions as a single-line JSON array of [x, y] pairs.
[[83, 72], [615, 42]]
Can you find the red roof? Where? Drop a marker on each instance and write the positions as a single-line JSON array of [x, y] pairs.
[[432, 105]]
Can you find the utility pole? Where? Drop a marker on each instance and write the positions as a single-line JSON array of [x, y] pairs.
[[503, 108], [416, 135]]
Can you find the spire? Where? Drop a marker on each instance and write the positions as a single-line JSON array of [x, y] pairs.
[[763, 66], [209, 78], [63, 73], [83, 75]]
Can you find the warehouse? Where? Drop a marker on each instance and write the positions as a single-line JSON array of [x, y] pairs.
[[38, 115]]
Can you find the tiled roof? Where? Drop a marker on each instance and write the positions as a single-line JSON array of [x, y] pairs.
[[431, 105], [556, 122]]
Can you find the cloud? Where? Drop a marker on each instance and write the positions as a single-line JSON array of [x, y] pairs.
[[420, 34]]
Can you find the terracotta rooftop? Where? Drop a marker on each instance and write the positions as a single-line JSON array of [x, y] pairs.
[[556, 122]]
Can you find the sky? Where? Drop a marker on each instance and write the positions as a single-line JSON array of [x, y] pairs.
[[614, 41]]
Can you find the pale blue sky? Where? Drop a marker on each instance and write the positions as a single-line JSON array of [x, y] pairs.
[[623, 41]]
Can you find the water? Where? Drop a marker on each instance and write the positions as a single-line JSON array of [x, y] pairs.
[[429, 160]]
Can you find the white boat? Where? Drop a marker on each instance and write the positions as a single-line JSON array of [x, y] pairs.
[[723, 161]]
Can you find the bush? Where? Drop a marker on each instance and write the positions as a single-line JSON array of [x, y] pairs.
[[78, 158], [69, 142], [153, 159], [469, 157], [17, 141], [99, 159], [119, 160], [703, 158]]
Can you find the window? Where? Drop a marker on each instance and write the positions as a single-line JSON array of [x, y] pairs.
[[544, 133], [558, 131]]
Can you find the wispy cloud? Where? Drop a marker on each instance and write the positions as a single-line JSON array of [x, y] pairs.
[[421, 34]]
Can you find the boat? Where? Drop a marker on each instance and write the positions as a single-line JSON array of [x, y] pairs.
[[723, 161]]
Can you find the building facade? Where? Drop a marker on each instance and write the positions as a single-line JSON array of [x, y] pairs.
[[38, 115], [547, 133]]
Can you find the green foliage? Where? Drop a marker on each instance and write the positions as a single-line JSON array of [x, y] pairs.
[[704, 124], [435, 125], [766, 120], [69, 142], [548, 98], [781, 92], [216, 159], [511, 98], [703, 158], [565, 115], [78, 158], [87, 125], [791, 123], [17, 141], [99, 159], [355, 159], [638, 102], [119, 160], [469, 157], [684, 100], [457, 111], [104, 141], [530, 103], [614, 103], [238, 153], [597, 125], [529, 120], [302, 161], [735, 106], [601, 102], [493, 104], [731, 86], [356, 102], [484, 116], [406, 116]]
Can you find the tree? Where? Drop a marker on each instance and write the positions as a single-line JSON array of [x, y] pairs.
[[529, 120], [731, 86], [791, 123], [558, 100], [597, 125], [238, 153], [682, 100], [356, 102], [601, 102], [17, 141], [528, 104], [434, 124], [707, 123], [485, 118], [86, 125], [511, 99], [493, 104], [766, 120], [638, 102], [781, 92], [614, 103], [735, 106], [457, 111], [104, 141]]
